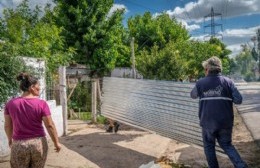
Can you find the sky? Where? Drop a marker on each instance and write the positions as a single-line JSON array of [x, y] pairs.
[[238, 20]]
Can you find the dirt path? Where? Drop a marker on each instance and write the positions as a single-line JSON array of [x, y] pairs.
[[131, 148], [90, 146]]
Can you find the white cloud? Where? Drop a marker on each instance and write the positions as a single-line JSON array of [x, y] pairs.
[[33, 3], [193, 27], [13, 3], [234, 38], [187, 26], [235, 47], [239, 36], [195, 11], [241, 32], [116, 7], [16, 2], [156, 14], [199, 38]]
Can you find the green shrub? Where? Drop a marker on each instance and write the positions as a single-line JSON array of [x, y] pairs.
[[101, 119], [10, 67], [81, 97], [86, 116]]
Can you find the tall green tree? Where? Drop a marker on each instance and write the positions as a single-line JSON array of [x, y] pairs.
[[165, 51], [195, 52], [24, 32], [97, 37], [158, 41], [164, 64], [161, 30], [32, 36], [9, 68], [222, 52]]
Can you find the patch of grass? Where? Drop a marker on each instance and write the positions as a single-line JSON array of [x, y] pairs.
[[101, 119], [86, 116]]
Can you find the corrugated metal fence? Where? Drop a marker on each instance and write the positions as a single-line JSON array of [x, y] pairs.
[[163, 107], [250, 92]]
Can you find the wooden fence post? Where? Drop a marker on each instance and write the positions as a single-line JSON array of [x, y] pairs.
[[98, 90], [63, 97], [94, 100]]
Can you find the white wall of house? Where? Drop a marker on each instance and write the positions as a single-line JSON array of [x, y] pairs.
[[56, 114], [39, 66]]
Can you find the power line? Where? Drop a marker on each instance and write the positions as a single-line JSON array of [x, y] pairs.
[[199, 8], [227, 1], [196, 14], [145, 7], [222, 6], [185, 11]]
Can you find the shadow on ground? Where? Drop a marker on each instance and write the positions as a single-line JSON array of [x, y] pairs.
[[248, 151], [100, 148]]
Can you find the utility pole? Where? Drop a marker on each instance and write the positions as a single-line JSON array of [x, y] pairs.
[[212, 24], [63, 98], [258, 46], [256, 50], [133, 56], [258, 40]]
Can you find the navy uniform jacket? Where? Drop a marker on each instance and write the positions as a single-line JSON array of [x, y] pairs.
[[217, 95]]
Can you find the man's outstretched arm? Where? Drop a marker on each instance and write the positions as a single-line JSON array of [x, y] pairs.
[[194, 93]]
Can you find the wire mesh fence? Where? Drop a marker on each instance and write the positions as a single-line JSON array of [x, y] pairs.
[[52, 88]]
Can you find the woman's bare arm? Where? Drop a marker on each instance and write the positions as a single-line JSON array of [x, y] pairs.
[[9, 128], [50, 126]]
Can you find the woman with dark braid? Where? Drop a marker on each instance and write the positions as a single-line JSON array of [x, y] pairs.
[[23, 126]]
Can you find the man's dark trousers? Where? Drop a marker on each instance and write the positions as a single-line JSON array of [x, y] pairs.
[[224, 138]]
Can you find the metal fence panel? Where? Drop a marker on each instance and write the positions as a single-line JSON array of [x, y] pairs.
[[163, 107], [250, 92]]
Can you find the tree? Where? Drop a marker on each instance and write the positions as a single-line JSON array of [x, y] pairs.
[[244, 64], [32, 36], [223, 53], [157, 41], [164, 50], [161, 30], [195, 52], [25, 33], [9, 68], [164, 64], [97, 37]]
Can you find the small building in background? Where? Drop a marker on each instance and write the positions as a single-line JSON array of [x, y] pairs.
[[125, 72], [76, 73]]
